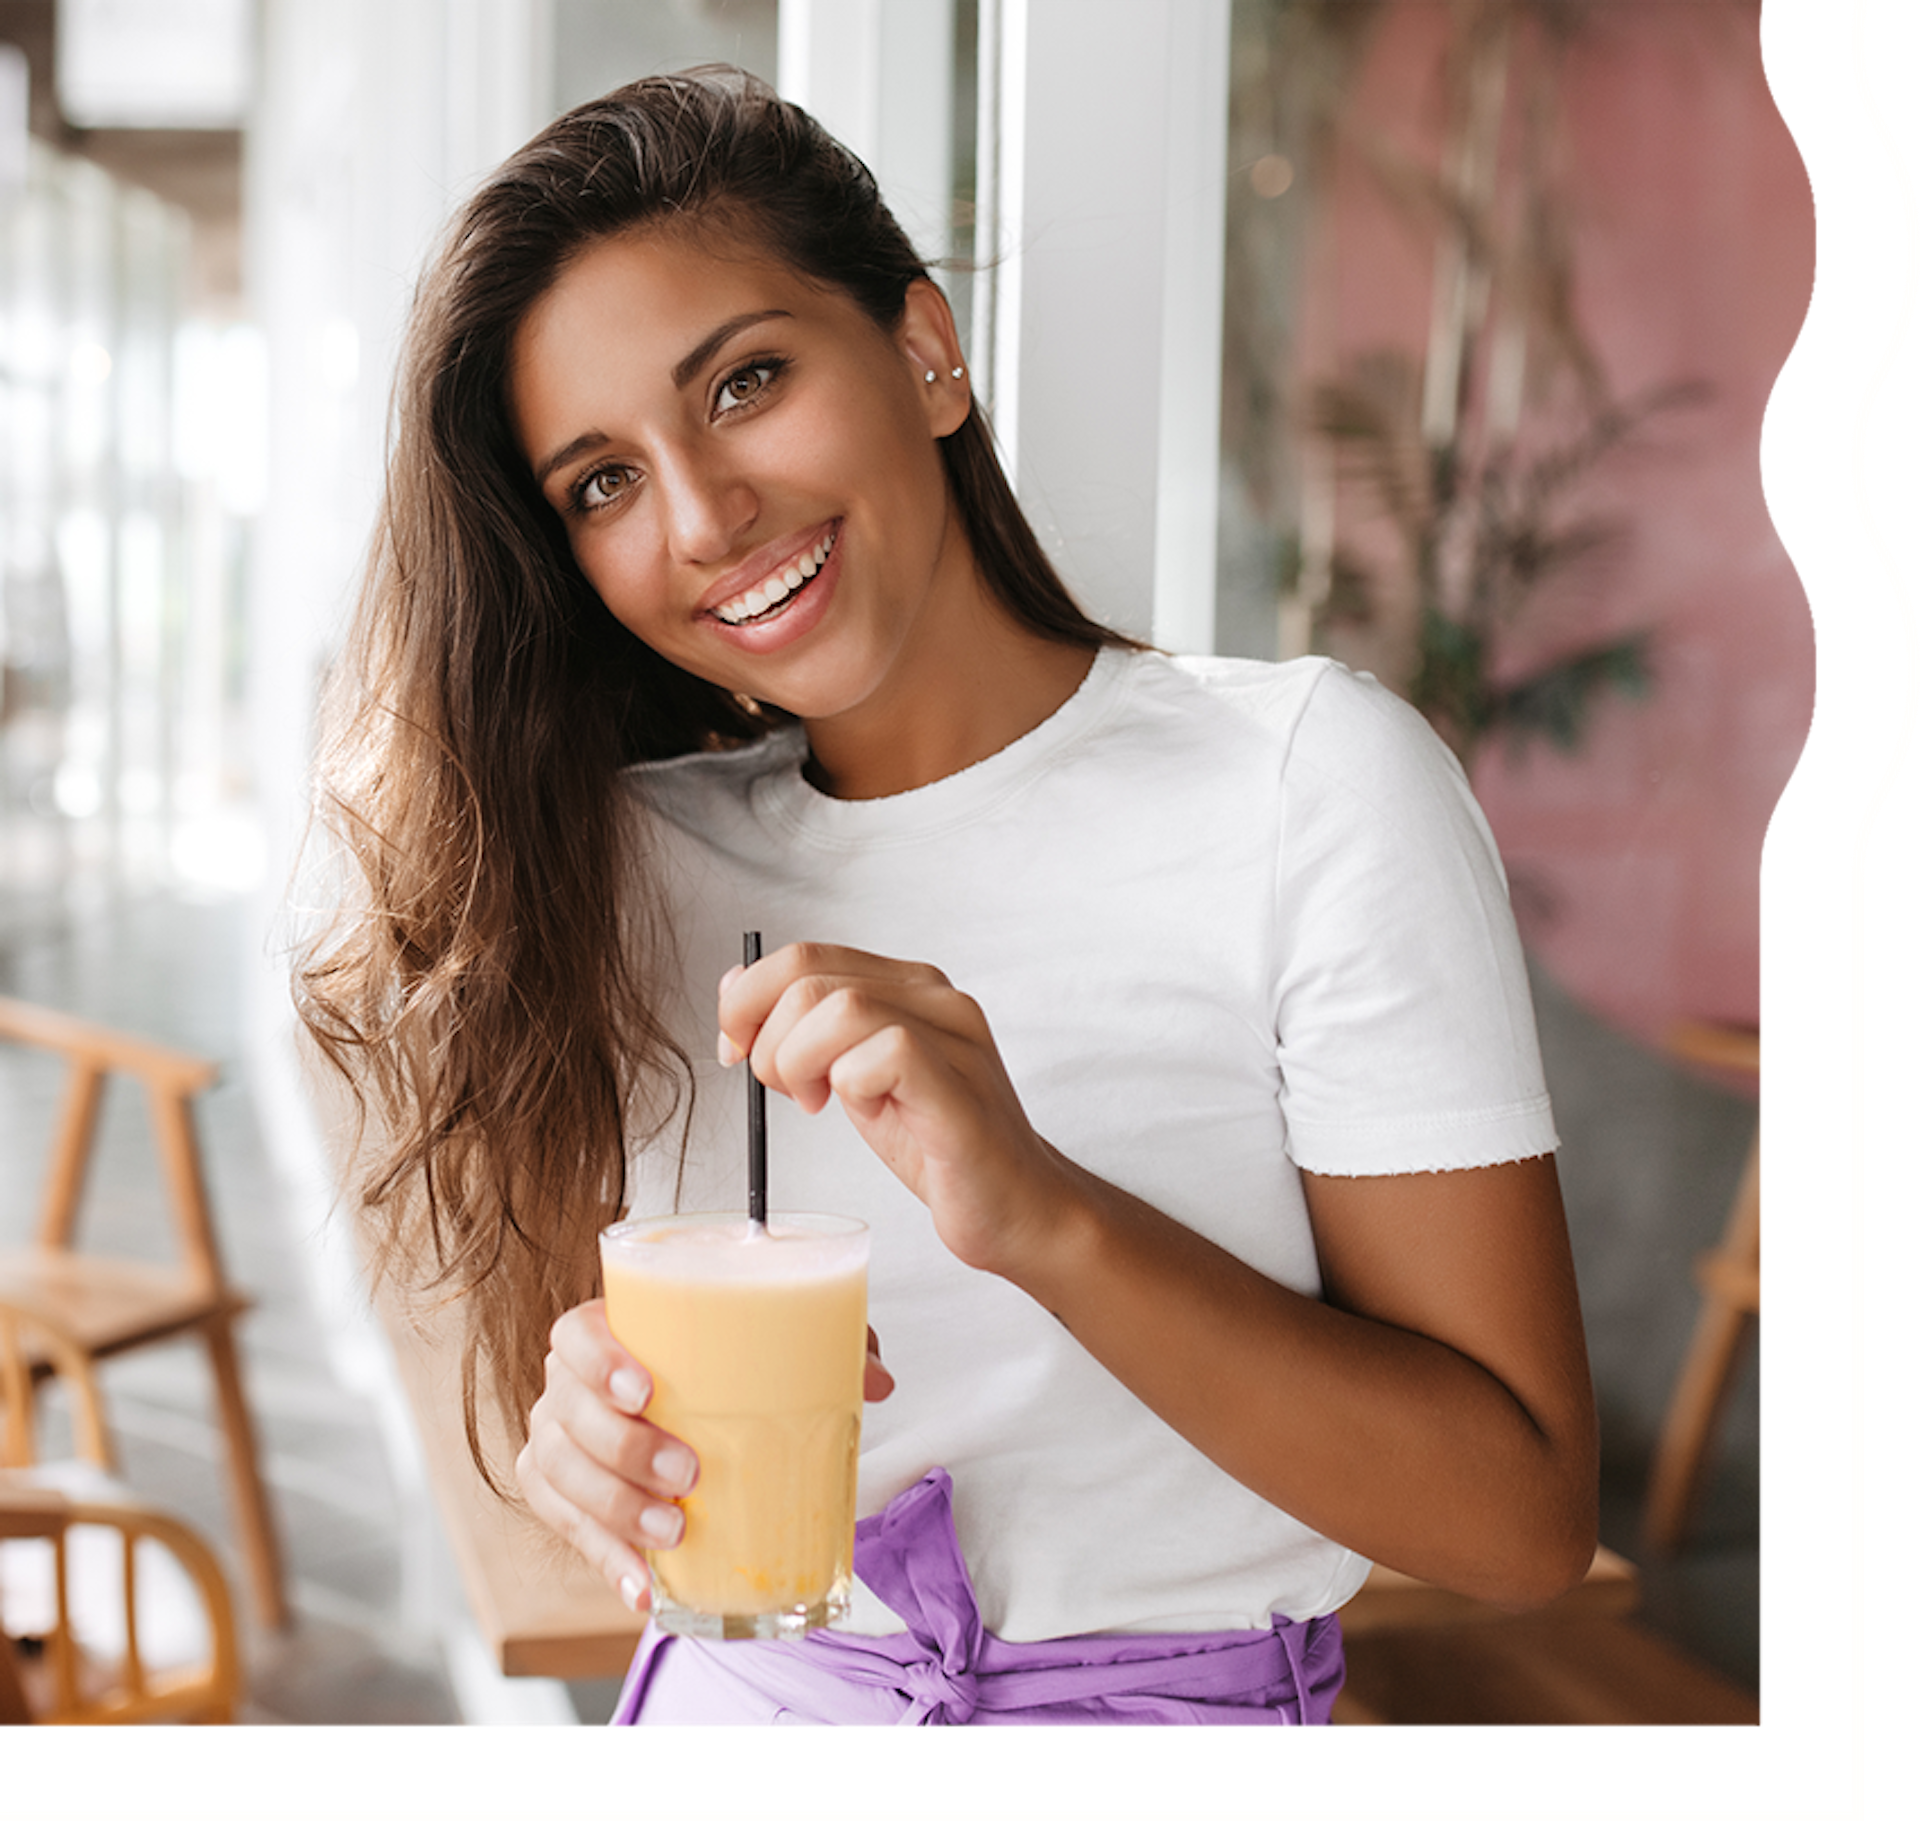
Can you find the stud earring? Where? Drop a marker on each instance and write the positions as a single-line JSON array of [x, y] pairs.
[[931, 376], [959, 373]]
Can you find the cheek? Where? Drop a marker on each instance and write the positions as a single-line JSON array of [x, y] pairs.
[[902, 478], [862, 447], [625, 573]]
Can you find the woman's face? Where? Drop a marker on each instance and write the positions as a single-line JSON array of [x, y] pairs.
[[746, 465]]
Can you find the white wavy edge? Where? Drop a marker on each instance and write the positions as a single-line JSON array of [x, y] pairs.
[[1863, 509], [1861, 842], [1901, 594], [1863, 415]]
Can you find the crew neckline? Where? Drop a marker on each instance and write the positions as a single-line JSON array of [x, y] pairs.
[[974, 790]]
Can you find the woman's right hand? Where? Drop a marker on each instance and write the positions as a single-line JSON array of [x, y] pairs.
[[595, 1470]]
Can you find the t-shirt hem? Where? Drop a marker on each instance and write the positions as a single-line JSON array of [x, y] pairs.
[[1469, 1142]]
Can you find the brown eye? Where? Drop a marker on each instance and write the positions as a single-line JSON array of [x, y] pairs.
[[601, 488], [745, 386]]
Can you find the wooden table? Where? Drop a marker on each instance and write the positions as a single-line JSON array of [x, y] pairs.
[[1391, 1601]]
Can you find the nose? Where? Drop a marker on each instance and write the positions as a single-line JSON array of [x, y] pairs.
[[706, 505]]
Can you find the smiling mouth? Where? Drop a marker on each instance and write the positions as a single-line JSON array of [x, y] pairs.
[[770, 598]]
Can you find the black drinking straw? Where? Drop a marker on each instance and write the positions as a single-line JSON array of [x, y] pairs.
[[756, 1117]]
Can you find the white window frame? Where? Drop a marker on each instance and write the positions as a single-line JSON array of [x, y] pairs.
[[1101, 222], [878, 75]]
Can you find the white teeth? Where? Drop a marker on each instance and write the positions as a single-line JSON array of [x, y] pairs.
[[775, 588]]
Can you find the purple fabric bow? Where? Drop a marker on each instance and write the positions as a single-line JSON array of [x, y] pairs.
[[947, 1669]]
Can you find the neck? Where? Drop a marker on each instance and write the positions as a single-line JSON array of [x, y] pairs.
[[997, 681]]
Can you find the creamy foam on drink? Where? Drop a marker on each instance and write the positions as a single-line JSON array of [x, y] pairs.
[[739, 1248]]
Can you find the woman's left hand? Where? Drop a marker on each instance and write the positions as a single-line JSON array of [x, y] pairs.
[[912, 1061]]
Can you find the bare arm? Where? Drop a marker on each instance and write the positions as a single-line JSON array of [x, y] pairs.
[[1434, 1413]]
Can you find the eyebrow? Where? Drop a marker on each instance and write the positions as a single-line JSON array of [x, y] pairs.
[[684, 369], [690, 363]]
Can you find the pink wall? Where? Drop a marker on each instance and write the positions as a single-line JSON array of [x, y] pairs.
[[1636, 859]]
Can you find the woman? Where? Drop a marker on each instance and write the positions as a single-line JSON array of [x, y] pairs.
[[1217, 1244]]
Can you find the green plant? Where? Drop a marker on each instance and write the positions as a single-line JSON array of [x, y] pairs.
[[1468, 456], [1479, 534]]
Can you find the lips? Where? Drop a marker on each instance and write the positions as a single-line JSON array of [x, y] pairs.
[[727, 612], [775, 591]]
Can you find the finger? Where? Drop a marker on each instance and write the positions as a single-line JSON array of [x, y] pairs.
[[774, 973], [890, 1064], [879, 1381], [575, 1416], [748, 995], [817, 1020], [622, 1565], [584, 1342], [607, 1518], [595, 1391]]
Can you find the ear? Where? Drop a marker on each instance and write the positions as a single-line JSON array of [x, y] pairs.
[[929, 343]]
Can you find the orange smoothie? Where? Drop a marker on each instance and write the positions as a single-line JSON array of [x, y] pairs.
[[756, 1343]]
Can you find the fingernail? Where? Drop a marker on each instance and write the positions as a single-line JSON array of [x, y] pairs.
[[632, 1592], [673, 1468], [628, 1389], [727, 1052], [731, 975], [661, 1524]]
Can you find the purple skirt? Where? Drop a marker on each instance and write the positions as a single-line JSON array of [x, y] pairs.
[[947, 1669]]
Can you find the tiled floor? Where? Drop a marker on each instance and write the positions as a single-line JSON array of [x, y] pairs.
[[362, 1551]]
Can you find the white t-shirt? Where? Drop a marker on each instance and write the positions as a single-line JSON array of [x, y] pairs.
[[1228, 921]]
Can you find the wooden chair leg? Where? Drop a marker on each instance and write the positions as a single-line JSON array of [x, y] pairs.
[[14, 1710], [178, 1141], [1730, 1285], [72, 1149], [1679, 1467], [253, 1513]]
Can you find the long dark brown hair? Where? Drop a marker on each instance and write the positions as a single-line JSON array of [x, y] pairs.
[[488, 987]]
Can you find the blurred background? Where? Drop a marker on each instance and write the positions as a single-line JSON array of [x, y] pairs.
[[1446, 328]]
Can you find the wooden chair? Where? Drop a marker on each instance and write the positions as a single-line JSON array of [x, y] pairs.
[[112, 1305], [1729, 1278], [110, 1610]]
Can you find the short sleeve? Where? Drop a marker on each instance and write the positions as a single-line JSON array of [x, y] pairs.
[[1402, 1015]]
